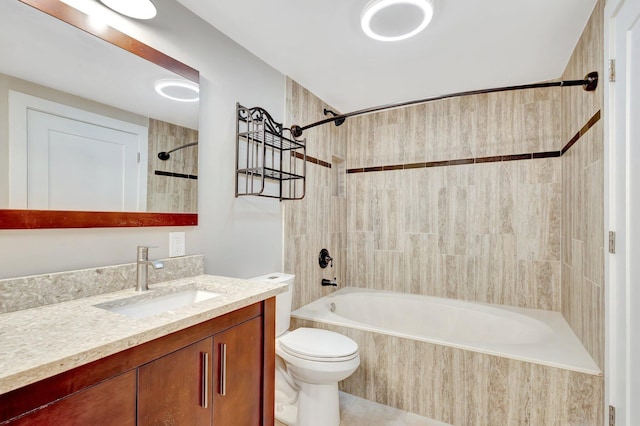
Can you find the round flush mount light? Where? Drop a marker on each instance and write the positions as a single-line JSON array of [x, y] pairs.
[[178, 90], [137, 9], [393, 20]]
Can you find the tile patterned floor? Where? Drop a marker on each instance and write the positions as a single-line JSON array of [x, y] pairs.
[[356, 411]]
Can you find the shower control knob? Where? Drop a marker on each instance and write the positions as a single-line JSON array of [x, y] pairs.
[[325, 258]]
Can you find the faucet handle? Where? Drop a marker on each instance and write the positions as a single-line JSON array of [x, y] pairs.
[[325, 258], [147, 247], [143, 252]]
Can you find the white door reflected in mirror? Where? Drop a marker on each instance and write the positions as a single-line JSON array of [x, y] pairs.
[[81, 166], [75, 160]]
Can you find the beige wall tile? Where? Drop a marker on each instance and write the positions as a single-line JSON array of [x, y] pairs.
[[421, 261], [413, 133], [583, 237], [467, 388], [496, 271], [541, 279], [320, 219], [388, 270], [420, 188], [360, 198], [577, 105], [457, 277], [480, 219], [361, 267]]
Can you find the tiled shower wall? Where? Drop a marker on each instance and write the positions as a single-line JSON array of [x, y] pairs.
[[583, 195], [319, 220], [450, 199]]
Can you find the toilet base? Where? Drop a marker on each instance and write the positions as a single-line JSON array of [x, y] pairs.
[[318, 405], [287, 414]]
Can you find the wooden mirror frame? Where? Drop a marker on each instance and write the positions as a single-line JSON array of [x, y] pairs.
[[42, 219]]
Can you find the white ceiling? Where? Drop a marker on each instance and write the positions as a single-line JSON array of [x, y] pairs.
[[469, 45]]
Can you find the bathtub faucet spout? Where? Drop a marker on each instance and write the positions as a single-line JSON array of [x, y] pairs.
[[332, 282]]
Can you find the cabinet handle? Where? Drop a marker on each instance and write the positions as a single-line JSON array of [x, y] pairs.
[[204, 359], [223, 369]]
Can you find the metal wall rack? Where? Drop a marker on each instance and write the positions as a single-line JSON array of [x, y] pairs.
[[268, 163]]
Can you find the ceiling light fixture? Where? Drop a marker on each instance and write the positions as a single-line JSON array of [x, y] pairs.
[[178, 90], [393, 20], [137, 9]]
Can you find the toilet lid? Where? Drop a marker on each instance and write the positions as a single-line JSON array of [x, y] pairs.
[[313, 342]]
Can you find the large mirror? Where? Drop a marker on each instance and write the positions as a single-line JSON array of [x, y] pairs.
[[88, 140]]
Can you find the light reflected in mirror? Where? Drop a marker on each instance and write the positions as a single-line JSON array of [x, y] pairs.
[[85, 124]]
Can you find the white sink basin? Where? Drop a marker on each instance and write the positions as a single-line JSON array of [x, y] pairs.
[[160, 304]]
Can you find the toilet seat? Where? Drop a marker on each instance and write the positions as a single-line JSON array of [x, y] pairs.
[[318, 345]]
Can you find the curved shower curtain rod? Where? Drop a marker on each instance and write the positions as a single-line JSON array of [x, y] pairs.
[[589, 84], [166, 155]]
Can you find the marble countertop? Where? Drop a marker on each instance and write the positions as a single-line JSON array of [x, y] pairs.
[[41, 342]]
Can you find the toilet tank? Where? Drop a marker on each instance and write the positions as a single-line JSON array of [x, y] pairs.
[[283, 300]]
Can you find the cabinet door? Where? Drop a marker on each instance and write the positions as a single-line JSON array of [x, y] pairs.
[[176, 389], [237, 400], [112, 402]]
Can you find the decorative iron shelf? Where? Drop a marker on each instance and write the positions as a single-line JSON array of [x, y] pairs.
[[268, 163], [273, 140], [270, 173]]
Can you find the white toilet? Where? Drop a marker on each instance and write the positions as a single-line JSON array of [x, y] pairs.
[[309, 364]]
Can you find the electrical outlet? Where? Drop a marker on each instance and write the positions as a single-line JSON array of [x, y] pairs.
[[177, 246]]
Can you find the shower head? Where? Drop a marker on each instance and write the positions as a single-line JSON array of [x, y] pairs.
[[339, 121], [164, 156]]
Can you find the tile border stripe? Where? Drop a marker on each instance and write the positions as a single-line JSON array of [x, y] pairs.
[[178, 175], [463, 161], [592, 122], [480, 160], [312, 160]]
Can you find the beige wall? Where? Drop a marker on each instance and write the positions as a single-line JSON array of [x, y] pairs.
[[583, 195]]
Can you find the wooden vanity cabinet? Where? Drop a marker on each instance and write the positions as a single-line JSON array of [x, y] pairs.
[[216, 377], [112, 402], [236, 399], [175, 389], [220, 372]]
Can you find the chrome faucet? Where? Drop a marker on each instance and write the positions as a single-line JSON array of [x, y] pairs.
[[143, 264]]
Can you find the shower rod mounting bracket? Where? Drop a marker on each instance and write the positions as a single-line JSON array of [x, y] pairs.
[[589, 83], [164, 156], [337, 122]]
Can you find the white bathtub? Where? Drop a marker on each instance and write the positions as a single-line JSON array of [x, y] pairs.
[[531, 335]]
